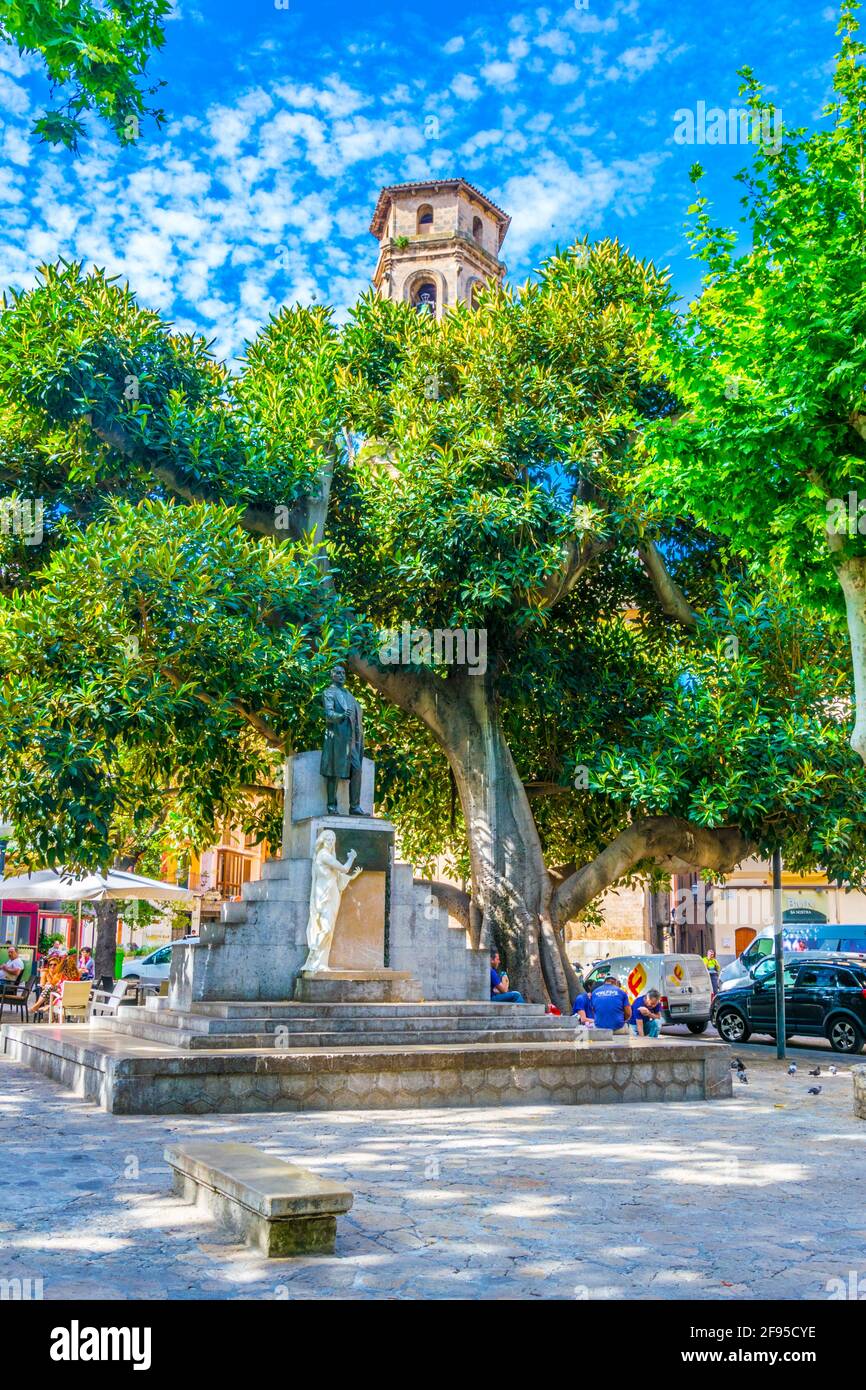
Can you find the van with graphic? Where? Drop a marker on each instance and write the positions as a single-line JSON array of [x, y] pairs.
[[682, 981]]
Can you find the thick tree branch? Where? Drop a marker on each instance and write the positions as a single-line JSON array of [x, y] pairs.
[[578, 556], [534, 789], [451, 897], [669, 594], [255, 720], [418, 692], [673, 844], [307, 514]]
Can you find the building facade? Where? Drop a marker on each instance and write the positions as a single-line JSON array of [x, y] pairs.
[[439, 244]]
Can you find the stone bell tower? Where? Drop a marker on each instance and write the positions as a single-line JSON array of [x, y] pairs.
[[438, 243]]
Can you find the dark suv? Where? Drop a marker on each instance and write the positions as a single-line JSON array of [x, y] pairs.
[[824, 997]]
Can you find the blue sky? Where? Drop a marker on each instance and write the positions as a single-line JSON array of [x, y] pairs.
[[284, 123]]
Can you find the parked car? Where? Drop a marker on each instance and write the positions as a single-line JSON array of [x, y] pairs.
[[154, 967], [682, 981], [825, 996], [797, 938]]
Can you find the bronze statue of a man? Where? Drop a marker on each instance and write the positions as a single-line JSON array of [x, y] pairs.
[[343, 752]]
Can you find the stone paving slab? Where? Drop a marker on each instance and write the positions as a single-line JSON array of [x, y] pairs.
[[744, 1198]]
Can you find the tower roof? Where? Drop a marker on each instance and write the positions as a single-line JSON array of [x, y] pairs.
[[386, 197]]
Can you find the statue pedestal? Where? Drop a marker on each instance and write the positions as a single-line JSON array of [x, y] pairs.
[[393, 941], [358, 987]]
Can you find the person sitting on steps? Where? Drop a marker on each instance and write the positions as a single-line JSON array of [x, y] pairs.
[[499, 991]]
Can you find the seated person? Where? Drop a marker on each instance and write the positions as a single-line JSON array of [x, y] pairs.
[[57, 969], [646, 1014], [583, 1003], [610, 1006], [85, 963], [499, 991], [11, 969]]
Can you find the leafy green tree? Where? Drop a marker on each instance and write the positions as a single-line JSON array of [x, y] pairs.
[[95, 58], [767, 444], [212, 543]]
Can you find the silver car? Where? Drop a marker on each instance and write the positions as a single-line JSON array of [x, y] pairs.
[[153, 968]]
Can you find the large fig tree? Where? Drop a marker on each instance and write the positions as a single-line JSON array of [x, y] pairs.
[[210, 542]]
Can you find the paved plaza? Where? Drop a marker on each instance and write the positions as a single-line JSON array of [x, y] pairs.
[[735, 1199]]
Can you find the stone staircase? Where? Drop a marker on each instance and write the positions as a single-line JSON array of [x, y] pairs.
[[215, 1025]]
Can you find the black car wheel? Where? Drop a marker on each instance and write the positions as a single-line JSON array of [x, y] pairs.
[[844, 1035], [697, 1027], [732, 1026]]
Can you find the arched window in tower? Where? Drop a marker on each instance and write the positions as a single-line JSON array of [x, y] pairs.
[[425, 218], [424, 298], [477, 228]]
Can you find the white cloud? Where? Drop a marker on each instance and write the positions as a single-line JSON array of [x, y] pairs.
[[563, 73], [454, 45], [556, 202], [465, 88], [498, 73], [639, 58]]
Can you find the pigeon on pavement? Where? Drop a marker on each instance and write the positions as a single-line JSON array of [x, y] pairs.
[[792, 1070], [816, 1072], [741, 1076], [815, 1090], [834, 1071]]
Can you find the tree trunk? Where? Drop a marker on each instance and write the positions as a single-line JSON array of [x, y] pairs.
[[523, 906], [852, 578], [511, 888], [104, 954]]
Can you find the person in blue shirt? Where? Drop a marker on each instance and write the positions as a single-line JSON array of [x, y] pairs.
[[610, 1005], [646, 1014], [499, 991], [583, 1003]]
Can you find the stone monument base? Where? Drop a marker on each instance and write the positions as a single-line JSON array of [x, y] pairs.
[[134, 1073], [358, 987]]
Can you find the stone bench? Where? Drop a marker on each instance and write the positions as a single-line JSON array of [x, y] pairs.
[[276, 1206]]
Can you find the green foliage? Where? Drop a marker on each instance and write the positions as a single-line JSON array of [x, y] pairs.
[[769, 363], [95, 56], [752, 731], [126, 673], [169, 643]]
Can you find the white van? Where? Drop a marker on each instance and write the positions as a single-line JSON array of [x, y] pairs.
[[682, 981], [796, 937]]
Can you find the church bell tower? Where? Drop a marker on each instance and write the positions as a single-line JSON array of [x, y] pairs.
[[439, 243]]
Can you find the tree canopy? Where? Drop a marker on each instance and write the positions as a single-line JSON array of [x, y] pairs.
[[95, 58], [661, 690], [768, 446]]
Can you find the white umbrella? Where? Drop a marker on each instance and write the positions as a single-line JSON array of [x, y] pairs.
[[48, 885]]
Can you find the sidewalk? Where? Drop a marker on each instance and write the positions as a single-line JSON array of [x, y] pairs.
[[741, 1199]]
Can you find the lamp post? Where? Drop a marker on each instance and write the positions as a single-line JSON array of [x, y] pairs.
[[780, 964]]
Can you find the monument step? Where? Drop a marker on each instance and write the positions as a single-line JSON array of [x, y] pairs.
[[315, 1023], [309, 1041], [309, 1019], [294, 1025], [289, 1008]]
